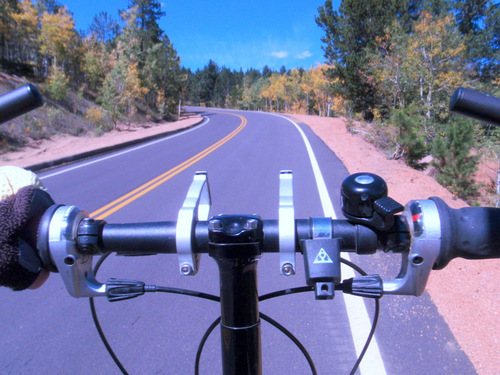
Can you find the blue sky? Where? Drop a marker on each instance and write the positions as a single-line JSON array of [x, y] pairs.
[[234, 33]]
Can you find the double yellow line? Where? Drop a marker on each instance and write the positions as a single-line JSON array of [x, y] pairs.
[[114, 206]]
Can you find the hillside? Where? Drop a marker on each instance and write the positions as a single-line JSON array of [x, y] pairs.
[[68, 116], [75, 115]]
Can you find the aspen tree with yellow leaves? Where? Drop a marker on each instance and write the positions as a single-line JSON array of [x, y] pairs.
[[326, 102], [57, 35], [436, 53], [128, 69], [7, 27], [26, 32], [275, 92]]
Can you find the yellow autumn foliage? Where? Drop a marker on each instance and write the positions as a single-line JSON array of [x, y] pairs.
[[57, 33]]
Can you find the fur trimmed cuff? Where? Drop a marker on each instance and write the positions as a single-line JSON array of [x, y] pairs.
[[14, 215]]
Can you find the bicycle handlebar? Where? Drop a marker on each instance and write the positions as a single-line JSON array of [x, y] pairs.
[[476, 104], [19, 101], [469, 232], [428, 234]]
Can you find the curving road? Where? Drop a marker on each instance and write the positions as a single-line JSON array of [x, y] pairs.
[[47, 331]]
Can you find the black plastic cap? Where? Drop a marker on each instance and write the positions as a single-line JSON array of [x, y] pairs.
[[359, 193], [477, 105], [19, 101]]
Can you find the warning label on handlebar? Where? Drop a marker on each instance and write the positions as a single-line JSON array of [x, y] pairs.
[[322, 257]]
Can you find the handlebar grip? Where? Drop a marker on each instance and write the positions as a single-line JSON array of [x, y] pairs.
[[476, 104], [19, 101], [470, 233]]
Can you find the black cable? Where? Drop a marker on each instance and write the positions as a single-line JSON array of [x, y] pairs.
[[217, 321], [191, 293], [208, 332], [369, 338], [161, 289], [286, 292], [98, 324], [337, 287], [374, 322], [293, 338], [266, 318], [355, 267]]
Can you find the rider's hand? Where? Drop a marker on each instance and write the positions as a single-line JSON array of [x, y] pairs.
[[23, 200]]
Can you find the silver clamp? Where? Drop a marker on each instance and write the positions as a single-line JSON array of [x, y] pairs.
[[286, 224], [75, 268], [422, 217], [196, 207]]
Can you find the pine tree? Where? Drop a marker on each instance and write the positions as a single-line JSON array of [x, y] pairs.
[[207, 81], [158, 65], [411, 140], [222, 87], [148, 14], [350, 34], [453, 159], [163, 77], [479, 24], [104, 29], [266, 72]]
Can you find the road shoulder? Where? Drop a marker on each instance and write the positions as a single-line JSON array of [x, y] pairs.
[[466, 293], [65, 148]]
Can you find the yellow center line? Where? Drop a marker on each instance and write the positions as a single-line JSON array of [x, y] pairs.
[[121, 202]]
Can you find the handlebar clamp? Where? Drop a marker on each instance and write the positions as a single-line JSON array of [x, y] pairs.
[[286, 224], [196, 207]]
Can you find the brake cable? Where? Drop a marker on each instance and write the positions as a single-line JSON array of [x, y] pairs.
[[98, 324], [152, 288]]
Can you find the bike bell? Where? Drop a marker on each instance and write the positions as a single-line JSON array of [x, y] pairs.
[[359, 192]]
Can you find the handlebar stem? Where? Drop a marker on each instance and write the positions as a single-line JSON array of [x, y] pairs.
[[235, 244]]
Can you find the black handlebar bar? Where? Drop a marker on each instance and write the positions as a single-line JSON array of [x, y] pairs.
[[469, 232], [19, 101], [476, 104], [428, 234], [136, 239]]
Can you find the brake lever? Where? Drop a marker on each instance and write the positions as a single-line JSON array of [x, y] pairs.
[[75, 268], [422, 219]]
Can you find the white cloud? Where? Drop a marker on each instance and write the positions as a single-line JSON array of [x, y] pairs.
[[279, 54], [304, 55]]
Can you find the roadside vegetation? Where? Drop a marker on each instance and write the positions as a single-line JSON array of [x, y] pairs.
[[116, 71], [391, 67]]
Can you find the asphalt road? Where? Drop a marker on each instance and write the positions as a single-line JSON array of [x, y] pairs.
[[47, 331]]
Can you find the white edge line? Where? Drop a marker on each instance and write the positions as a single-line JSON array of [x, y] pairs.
[[206, 121], [359, 320]]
